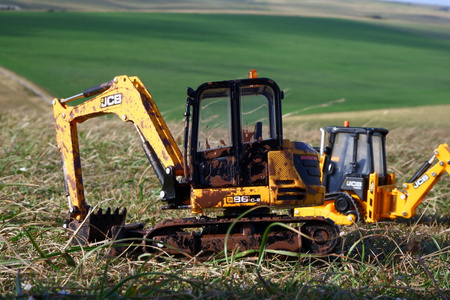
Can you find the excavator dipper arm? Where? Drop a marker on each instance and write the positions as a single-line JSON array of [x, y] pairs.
[[127, 98]]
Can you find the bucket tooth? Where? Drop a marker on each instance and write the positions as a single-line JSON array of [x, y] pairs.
[[108, 211]]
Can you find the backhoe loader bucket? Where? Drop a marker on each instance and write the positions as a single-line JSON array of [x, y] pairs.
[[96, 226]]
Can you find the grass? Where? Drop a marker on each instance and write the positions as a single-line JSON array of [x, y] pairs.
[[315, 60], [407, 259]]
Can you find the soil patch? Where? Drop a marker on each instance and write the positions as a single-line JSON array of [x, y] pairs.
[[17, 94]]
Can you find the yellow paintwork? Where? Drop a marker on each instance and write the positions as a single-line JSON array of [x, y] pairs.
[[403, 202], [326, 210], [127, 98]]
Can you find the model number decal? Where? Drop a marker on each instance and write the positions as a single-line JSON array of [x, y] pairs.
[[111, 100], [244, 199], [421, 181]]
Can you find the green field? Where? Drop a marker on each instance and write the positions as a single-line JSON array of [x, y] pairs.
[[315, 60]]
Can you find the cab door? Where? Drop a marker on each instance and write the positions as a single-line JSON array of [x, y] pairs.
[[215, 150], [235, 124], [260, 132]]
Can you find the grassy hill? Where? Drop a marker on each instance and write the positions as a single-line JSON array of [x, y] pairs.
[[315, 60], [342, 8]]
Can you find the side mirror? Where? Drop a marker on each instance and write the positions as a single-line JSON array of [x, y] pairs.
[[190, 92], [331, 167]]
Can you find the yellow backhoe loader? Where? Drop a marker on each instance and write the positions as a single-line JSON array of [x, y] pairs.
[[358, 184], [234, 158]]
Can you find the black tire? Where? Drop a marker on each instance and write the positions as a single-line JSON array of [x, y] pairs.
[[344, 203], [319, 237]]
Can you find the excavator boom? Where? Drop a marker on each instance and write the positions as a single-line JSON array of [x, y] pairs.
[[127, 98]]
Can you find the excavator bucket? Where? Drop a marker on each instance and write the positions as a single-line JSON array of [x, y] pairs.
[[97, 226]]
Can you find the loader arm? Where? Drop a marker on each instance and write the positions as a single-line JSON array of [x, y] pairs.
[[422, 182], [127, 98]]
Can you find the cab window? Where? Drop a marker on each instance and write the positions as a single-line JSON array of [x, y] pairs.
[[378, 155], [214, 128], [257, 113], [362, 155]]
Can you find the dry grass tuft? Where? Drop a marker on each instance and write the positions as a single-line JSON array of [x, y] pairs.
[[390, 260]]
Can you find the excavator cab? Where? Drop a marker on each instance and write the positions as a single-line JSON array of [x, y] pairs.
[[236, 155], [234, 125], [353, 153]]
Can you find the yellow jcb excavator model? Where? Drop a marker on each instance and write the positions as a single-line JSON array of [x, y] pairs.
[[358, 185], [234, 158]]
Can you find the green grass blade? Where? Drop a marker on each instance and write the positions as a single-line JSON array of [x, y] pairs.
[[38, 249]]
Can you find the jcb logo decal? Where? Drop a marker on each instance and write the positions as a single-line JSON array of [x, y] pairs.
[[357, 185], [111, 100], [421, 181]]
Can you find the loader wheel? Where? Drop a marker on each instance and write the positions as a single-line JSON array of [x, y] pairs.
[[343, 203], [319, 237]]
